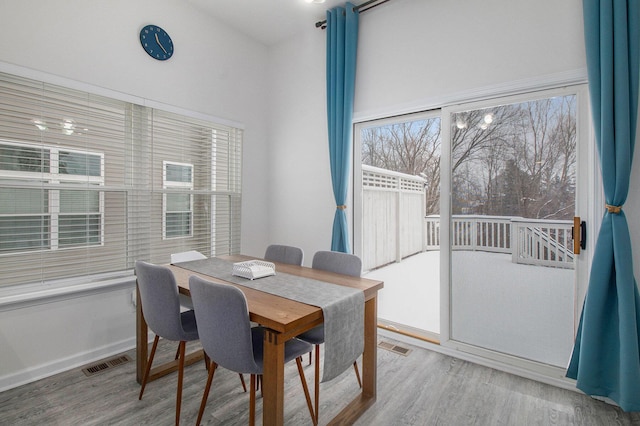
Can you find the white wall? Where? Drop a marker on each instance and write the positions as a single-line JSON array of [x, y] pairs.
[[421, 52], [214, 71], [301, 206], [50, 335]]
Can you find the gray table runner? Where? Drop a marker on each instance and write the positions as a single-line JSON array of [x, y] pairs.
[[342, 307]]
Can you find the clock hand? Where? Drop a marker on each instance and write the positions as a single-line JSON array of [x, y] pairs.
[[160, 44]]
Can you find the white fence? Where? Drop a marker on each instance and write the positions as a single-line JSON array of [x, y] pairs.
[[393, 208], [394, 227]]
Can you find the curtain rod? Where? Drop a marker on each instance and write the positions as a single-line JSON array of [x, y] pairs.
[[323, 24]]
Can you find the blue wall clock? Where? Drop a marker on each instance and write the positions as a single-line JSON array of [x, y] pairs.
[[156, 42]]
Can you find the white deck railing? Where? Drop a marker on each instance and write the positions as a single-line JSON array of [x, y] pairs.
[[543, 242], [472, 232], [394, 227], [529, 241]]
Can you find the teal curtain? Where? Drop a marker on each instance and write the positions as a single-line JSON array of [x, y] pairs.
[[606, 356], [342, 44]]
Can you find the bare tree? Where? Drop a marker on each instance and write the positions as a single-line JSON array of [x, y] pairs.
[[493, 165], [524, 155], [411, 147], [516, 159], [478, 149]]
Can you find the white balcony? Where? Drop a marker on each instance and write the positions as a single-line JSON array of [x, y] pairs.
[[513, 275], [395, 227]]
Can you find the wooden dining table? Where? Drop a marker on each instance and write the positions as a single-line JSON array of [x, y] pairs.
[[283, 319]]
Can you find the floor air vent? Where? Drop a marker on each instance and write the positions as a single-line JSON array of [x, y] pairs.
[[394, 348], [105, 365]]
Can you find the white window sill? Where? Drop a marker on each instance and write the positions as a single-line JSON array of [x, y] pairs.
[[23, 295]]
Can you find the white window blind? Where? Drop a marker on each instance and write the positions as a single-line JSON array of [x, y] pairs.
[[178, 206], [89, 184], [44, 207]]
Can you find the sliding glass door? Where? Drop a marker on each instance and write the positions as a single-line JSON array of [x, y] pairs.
[[514, 169], [468, 213], [397, 181]]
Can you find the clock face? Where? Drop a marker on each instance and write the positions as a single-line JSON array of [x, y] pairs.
[[156, 42]]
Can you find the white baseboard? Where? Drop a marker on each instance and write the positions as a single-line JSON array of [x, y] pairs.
[[19, 378]]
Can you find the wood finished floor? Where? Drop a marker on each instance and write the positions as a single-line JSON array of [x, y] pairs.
[[423, 388]]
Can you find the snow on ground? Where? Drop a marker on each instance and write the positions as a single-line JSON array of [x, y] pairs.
[[522, 310], [411, 293]]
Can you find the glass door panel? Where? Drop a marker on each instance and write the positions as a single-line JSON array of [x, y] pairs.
[[513, 199], [397, 181]]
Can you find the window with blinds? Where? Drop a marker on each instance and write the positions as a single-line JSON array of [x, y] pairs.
[[89, 184], [48, 211], [178, 206]]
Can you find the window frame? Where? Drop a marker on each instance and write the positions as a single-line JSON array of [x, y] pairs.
[[54, 182], [176, 188], [135, 135]]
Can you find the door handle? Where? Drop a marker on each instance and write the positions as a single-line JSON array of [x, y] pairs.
[[580, 237]]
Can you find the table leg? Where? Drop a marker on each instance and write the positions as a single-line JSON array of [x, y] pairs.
[[273, 379], [370, 355], [142, 340]]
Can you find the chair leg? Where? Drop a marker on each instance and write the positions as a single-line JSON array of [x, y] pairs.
[[244, 386], [355, 367], [252, 401], [306, 390], [258, 382], [309, 358], [317, 384], [180, 377], [146, 372], [206, 391]]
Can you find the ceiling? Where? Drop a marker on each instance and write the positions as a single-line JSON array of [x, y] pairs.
[[267, 21]]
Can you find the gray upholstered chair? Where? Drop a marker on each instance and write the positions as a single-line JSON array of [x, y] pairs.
[[161, 308], [229, 340], [284, 254], [338, 262], [341, 263], [185, 256]]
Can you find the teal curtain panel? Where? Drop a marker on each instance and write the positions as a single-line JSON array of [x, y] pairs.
[[342, 45], [606, 356]]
